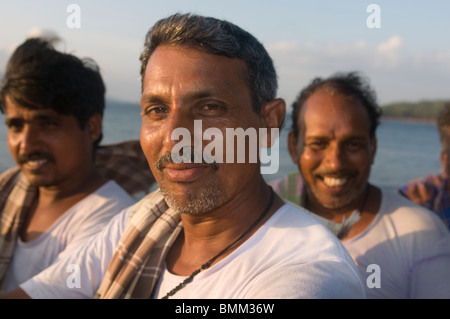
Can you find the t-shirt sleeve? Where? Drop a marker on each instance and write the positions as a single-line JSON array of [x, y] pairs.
[[429, 277], [79, 274], [318, 279], [93, 214]]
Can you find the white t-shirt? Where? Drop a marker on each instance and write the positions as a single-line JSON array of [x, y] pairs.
[[410, 248], [67, 233], [291, 256]]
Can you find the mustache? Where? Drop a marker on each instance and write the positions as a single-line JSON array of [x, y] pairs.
[[190, 154], [339, 173], [23, 158]]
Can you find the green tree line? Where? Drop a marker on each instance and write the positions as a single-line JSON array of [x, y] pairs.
[[425, 110]]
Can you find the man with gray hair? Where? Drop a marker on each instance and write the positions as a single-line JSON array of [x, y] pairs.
[[212, 230]]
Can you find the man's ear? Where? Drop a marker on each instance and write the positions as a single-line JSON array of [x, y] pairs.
[[374, 147], [94, 127], [293, 147], [273, 114], [444, 161]]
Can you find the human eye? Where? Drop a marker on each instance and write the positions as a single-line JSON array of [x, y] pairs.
[[212, 109], [355, 145], [14, 125], [157, 111], [316, 145], [47, 122]]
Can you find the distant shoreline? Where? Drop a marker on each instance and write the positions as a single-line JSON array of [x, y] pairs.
[[409, 119]]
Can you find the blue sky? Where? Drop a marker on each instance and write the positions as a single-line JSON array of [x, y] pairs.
[[407, 59]]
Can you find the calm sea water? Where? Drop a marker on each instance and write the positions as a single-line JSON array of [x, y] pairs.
[[406, 150]]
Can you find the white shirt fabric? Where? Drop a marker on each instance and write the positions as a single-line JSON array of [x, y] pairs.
[[410, 247], [291, 256], [67, 233]]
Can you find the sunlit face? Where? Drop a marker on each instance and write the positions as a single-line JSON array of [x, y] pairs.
[[50, 148], [445, 154], [181, 85], [334, 151]]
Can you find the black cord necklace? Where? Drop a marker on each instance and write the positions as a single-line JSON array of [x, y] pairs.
[[209, 262]]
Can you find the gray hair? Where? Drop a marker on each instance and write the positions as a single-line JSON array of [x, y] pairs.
[[217, 37]]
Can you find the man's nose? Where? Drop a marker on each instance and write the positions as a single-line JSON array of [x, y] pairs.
[[179, 127], [335, 157], [28, 139]]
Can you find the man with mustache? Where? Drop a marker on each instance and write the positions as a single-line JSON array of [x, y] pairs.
[[55, 199], [212, 230], [402, 249]]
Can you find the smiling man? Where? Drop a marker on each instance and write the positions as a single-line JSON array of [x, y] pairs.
[[55, 199], [212, 230], [402, 249]]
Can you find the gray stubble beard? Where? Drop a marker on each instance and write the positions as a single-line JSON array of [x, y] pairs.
[[194, 203]]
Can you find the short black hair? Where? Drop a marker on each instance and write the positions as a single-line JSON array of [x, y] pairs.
[[38, 76], [349, 84]]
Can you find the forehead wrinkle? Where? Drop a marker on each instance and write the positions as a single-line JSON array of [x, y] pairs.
[[169, 96], [317, 132], [197, 81], [34, 115], [187, 93]]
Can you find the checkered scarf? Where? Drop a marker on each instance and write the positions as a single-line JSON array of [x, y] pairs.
[[136, 265], [430, 191], [16, 198], [125, 163], [292, 188]]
